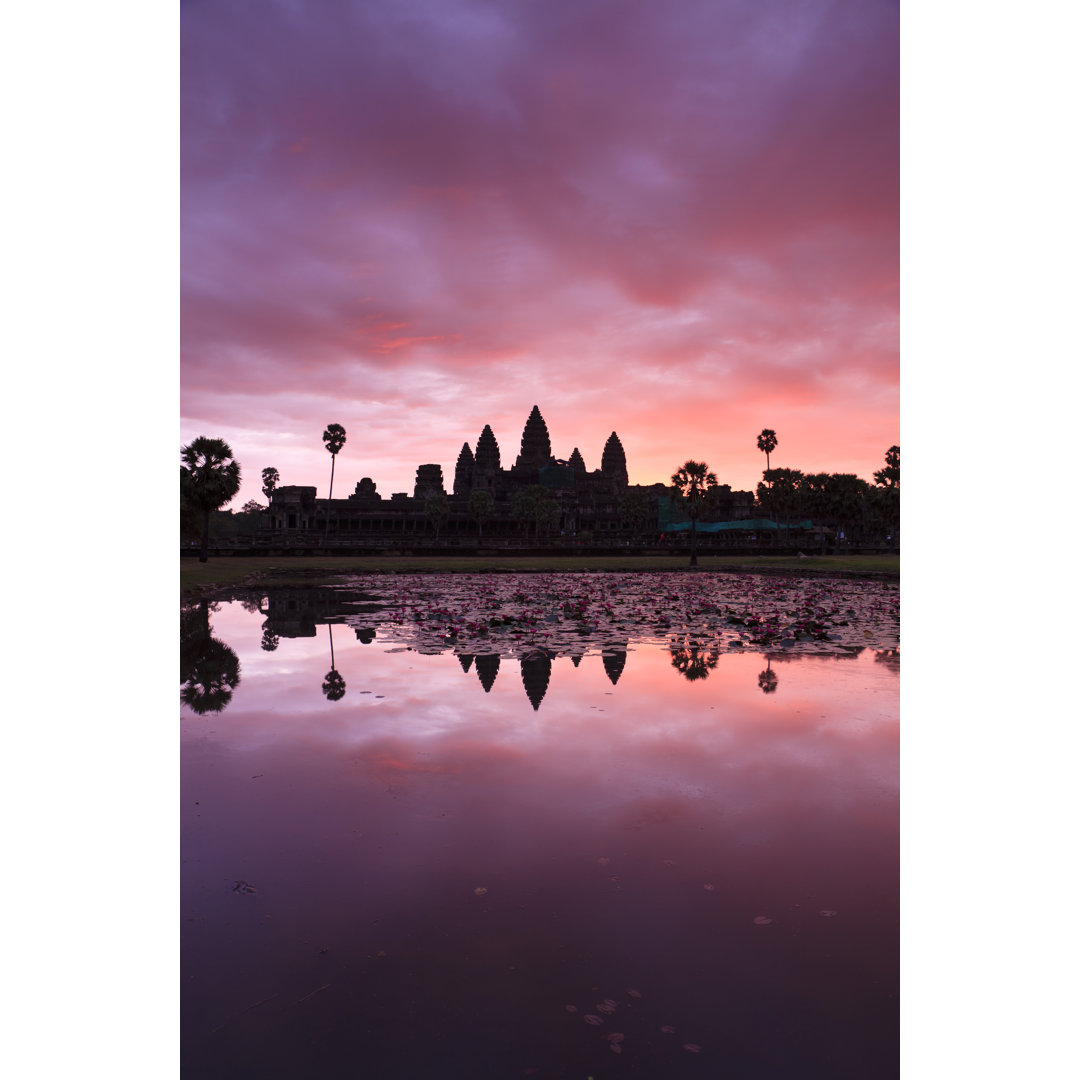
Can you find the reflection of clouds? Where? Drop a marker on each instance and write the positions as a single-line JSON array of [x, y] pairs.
[[651, 732], [379, 817]]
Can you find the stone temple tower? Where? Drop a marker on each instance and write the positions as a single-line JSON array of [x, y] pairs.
[[613, 463], [535, 444], [429, 481], [486, 462], [463, 473]]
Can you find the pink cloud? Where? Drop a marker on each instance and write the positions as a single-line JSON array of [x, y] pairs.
[[675, 221]]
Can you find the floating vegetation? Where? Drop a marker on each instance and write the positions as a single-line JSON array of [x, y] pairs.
[[570, 614]]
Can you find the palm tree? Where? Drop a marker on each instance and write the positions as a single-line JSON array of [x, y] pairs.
[[890, 475], [786, 495], [766, 443], [887, 481], [691, 483], [270, 478], [334, 438], [209, 478]]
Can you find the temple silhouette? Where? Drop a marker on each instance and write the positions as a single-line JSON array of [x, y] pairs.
[[580, 501]]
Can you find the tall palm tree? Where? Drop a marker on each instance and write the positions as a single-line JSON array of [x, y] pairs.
[[209, 478], [334, 438], [766, 443], [270, 478], [692, 482]]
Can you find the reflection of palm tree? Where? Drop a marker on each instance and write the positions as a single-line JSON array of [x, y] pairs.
[[334, 684], [693, 663], [209, 669], [536, 674], [768, 680], [487, 667], [365, 636], [270, 640]]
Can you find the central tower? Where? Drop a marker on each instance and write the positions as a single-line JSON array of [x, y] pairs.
[[535, 443]]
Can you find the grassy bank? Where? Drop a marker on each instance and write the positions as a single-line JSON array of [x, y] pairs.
[[319, 570]]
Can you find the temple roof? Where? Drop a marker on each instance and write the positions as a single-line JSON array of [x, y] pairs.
[[535, 443]]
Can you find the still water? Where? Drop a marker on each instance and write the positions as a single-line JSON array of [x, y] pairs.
[[542, 826]]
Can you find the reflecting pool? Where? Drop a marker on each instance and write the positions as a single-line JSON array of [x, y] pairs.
[[542, 826]]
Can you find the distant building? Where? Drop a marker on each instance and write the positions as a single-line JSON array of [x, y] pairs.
[[601, 503]]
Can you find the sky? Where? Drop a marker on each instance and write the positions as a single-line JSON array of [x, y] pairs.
[[677, 221]]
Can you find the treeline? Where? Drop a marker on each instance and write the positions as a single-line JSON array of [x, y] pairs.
[[862, 512]]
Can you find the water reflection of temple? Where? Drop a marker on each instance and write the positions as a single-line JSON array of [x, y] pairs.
[[293, 613], [298, 612]]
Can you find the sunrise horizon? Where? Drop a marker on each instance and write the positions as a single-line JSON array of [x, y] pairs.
[[415, 221]]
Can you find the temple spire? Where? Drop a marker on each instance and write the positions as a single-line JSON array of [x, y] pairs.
[[487, 453], [463, 473], [613, 463], [535, 443]]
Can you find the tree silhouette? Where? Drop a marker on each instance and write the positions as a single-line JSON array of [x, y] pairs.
[[209, 669], [535, 504], [334, 438], [437, 508], [766, 443], [691, 482], [767, 680], [636, 508], [481, 507], [785, 493], [691, 662], [209, 478], [890, 475], [270, 478], [846, 499], [334, 683]]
